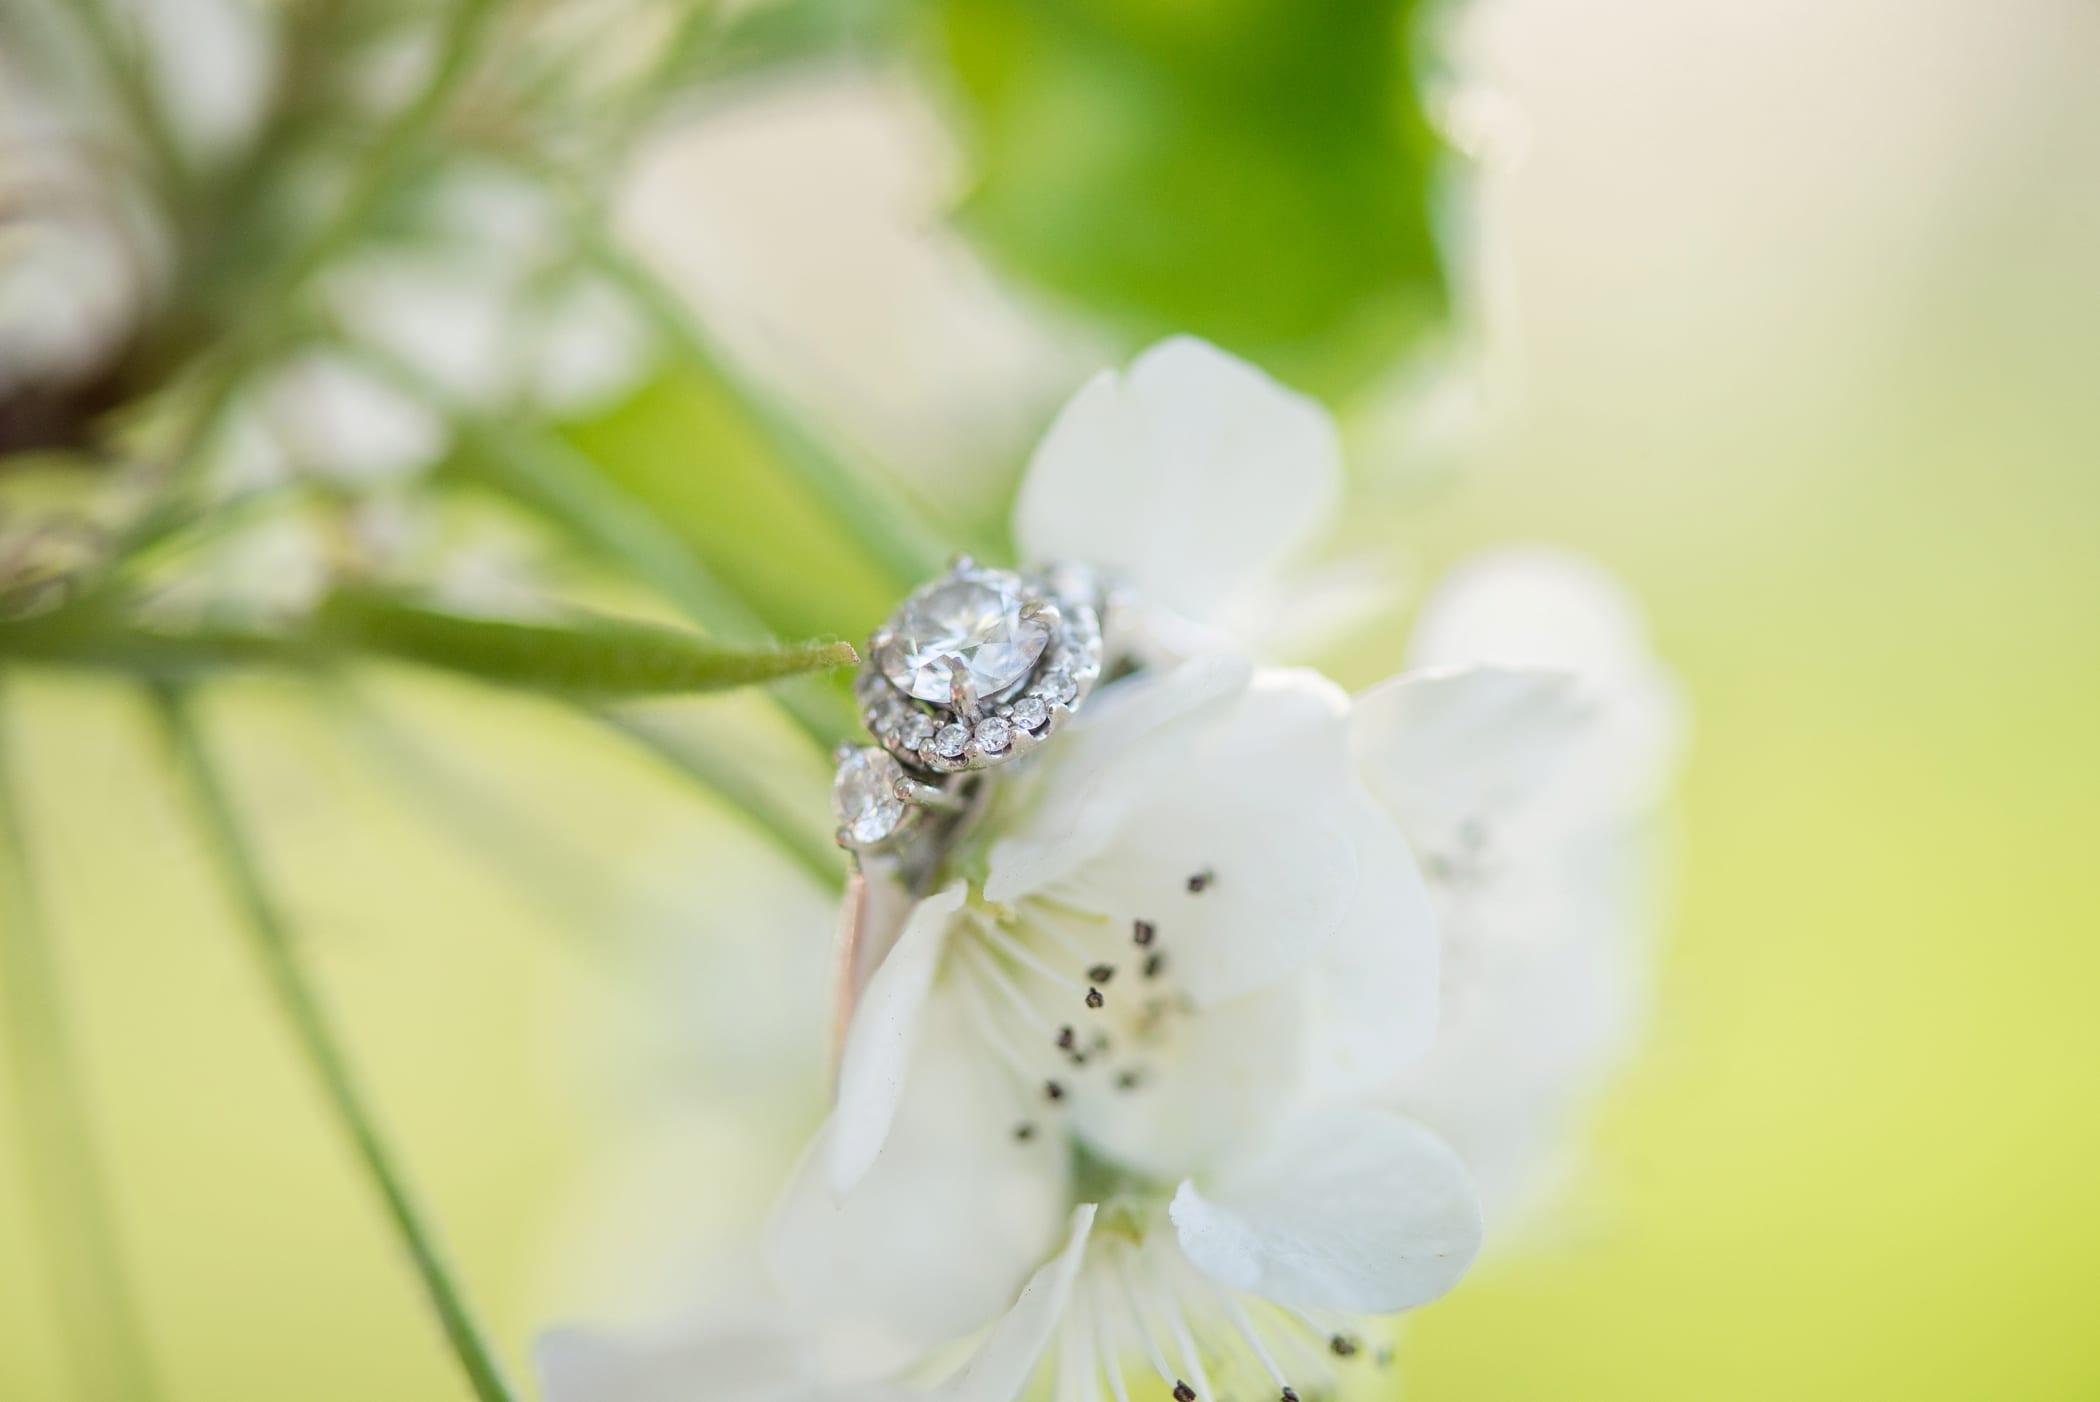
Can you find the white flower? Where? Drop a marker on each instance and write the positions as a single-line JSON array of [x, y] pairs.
[[1197, 485], [1186, 946], [1147, 894], [1183, 959], [1520, 754], [1540, 857]]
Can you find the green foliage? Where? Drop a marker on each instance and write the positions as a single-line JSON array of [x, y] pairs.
[[1255, 171], [597, 658], [594, 657], [277, 953], [693, 454]]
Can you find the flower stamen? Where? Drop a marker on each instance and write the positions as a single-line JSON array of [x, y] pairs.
[[1021, 954]]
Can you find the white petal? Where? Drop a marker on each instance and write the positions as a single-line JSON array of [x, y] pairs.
[[1205, 1085], [1064, 809], [933, 1242], [1546, 608], [1372, 1001], [879, 1043], [336, 419], [1000, 1368], [1252, 799], [1192, 479], [1529, 608], [1544, 994], [1447, 751], [1348, 1210]]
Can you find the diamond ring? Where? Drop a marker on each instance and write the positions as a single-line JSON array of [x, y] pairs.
[[975, 669]]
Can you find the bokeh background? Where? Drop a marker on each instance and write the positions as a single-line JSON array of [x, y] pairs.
[[1788, 313]]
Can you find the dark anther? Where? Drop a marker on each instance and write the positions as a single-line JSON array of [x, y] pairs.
[[1128, 1080], [1289, 1395], [1065, 1038], [1101, 973], [1057, 1092], [1142, 932], [1200, 880], [1343, 1346], [1024, 1131], [1094, 998], [1183, 1392], [1154, 962]]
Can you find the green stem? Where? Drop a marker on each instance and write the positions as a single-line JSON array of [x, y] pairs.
[[276, 951], [544, 473], [97, 1312], [603, 658], [548, 476]]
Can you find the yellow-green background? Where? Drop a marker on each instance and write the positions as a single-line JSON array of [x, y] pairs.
[[1803, 345]]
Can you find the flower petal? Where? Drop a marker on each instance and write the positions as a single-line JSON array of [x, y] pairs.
[[1544, 995], [879, 1042], [1064, 809], [1200, 1086], [1347, 1209], [1230, 837], [1000, 1368], [954, 1213], [1191, 479], [1372, 1002], [1447, 751], [1548, 608], [1547, 904]]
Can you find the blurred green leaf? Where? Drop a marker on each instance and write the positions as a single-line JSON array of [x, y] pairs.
[[588, 657], [547, 474], [688, 449], [596, 657], [1255, 171]]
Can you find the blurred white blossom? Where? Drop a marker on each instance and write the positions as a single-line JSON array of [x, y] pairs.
[[1546, 879], [1194, 945], [1185, 965], [1198, 488], [1524, 753]]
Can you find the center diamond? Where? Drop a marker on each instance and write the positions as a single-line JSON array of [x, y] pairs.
[[973, 622]]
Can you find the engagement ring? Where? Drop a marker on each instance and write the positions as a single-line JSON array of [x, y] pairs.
[[975, 669]]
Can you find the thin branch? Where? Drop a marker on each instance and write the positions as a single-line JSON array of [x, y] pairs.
[[277, 953], [98, 1313], [538, 469]]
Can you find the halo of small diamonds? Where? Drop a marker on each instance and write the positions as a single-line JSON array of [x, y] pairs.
[[1009, 655]]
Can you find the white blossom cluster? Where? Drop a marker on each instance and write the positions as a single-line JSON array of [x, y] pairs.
[[1243, 1007]]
